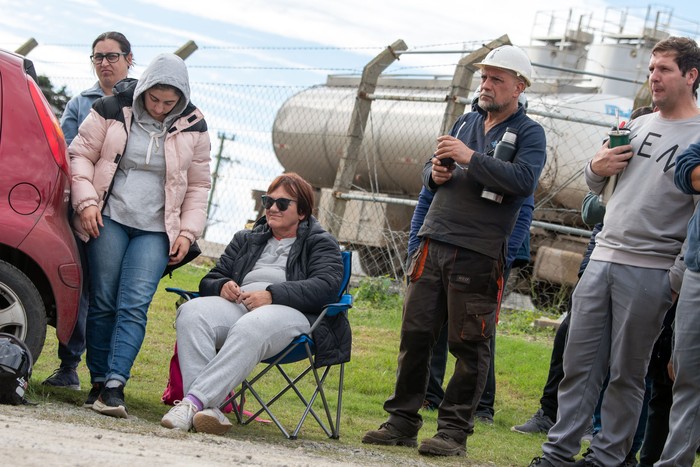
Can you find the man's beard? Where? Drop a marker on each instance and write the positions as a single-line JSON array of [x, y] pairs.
[[490, 106]]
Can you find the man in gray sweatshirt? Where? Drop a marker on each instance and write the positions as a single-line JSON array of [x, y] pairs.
[[635, 271]]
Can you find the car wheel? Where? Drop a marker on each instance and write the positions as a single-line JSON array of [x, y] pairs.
[[22, 311]]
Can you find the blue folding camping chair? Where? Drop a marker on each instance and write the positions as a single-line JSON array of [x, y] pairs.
[[302, 348]]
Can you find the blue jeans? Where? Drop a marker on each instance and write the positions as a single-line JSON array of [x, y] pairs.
[[70, 353], [126, 265]]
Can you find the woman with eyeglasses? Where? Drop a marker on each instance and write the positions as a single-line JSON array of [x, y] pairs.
[[111, 59], [266, 289], [140, 182]]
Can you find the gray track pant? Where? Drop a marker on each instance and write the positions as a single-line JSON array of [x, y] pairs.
[[209, 324], [616, 316], [684, 421]]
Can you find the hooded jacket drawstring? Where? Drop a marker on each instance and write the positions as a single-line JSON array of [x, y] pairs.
[[154, 135]]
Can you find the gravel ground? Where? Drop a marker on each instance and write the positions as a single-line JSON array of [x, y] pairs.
[[54, 434]]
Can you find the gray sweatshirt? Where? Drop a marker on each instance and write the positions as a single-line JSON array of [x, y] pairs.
[[138, 195], [647, 216]]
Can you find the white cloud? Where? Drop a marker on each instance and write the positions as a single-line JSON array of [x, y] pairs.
[[370, 22]]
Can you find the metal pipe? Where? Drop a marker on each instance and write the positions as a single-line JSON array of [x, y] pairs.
[[567, 118], [562, 229], [542, 113], [411, 202], [538, 65], [398, 97], [587, 73], [421, 52], [375, 198]]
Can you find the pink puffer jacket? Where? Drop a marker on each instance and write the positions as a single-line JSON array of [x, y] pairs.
[[101, 140]]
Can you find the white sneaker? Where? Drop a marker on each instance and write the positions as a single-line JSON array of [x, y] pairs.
[[211, 421], [180, 417]]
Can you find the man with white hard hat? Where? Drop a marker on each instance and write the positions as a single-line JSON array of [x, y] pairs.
[[455, 276]]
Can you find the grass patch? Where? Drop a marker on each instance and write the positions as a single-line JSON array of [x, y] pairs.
[[522, 361]]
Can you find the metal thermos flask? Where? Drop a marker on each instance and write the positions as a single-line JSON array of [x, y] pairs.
[[505, 151]]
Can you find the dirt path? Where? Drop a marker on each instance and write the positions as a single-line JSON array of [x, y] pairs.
[[59, 434]]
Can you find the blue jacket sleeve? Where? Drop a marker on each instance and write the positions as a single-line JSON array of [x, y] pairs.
[[521, 229], [425, 197], [69, 121], [685, 164]]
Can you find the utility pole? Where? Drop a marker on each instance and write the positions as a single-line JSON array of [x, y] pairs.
[[215, 176]]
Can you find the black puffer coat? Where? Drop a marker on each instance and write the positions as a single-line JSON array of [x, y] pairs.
[[314, 272]]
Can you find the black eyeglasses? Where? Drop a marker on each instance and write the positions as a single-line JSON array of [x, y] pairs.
[[282, 203], [112, 57]]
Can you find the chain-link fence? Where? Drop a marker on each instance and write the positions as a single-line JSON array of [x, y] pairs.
[[258, 131]]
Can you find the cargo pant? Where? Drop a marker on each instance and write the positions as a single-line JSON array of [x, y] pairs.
[[461, 287]]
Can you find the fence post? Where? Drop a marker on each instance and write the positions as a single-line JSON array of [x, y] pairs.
[[356, 129], [27, 47], [462, 80], [187, 49]]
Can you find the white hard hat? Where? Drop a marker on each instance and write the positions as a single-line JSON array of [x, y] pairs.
[[509, 57]]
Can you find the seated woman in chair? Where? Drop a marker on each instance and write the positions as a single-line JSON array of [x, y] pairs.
[[265, 290]]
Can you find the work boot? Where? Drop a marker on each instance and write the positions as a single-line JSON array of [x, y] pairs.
[[442, 445], [389, 435]]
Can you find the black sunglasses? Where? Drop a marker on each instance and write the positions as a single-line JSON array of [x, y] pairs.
[[282, 203]]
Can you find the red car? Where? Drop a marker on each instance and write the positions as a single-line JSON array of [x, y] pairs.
[[39, 265]]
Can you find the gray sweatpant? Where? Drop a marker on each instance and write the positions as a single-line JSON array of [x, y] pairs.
[[684, 420], [219, 343], [617, 313]]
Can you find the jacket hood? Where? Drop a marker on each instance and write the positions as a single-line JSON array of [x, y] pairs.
[[168, 69]]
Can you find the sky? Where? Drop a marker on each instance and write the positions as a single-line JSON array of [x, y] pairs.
[[294, 43], [361, 27]]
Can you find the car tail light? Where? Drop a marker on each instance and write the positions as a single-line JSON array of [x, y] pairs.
[[52, 129]]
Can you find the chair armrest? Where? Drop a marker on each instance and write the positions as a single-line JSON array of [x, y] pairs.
[[344, 304], [186, 294], [333, 309]]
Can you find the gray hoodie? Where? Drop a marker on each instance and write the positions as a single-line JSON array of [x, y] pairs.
[[138, 195]]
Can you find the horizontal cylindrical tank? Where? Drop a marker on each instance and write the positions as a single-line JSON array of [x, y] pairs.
[[627, 61], [310, 132]]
